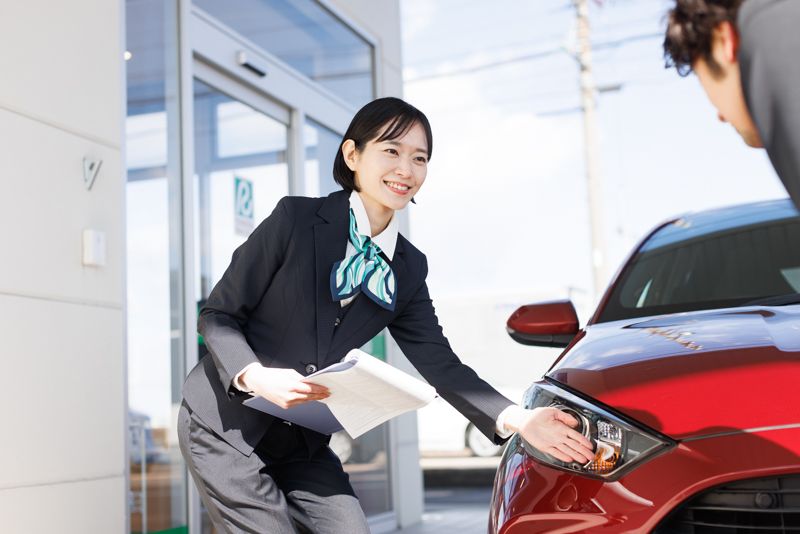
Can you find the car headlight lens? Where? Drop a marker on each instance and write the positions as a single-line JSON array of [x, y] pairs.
[[619, 444]]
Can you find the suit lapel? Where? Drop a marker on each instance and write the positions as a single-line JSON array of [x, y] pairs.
[[330, 245]]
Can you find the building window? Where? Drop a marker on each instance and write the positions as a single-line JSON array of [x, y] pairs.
[[306, 36]]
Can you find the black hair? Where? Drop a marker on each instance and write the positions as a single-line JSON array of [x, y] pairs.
[[395, 115], [690, 31]]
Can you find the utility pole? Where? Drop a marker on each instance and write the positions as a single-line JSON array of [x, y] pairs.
[[594, 185]]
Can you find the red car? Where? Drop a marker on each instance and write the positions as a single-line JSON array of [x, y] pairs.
[[687, 379]]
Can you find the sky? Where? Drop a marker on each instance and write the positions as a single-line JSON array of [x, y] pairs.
[[504, 210]]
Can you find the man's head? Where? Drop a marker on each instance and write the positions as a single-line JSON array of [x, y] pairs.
[[702, 38]]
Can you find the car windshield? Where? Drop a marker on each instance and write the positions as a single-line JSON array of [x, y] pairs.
[[731, 257]]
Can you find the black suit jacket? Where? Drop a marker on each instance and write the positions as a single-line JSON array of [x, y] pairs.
[[273, 305]]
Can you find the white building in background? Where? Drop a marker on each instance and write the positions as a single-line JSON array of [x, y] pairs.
[[141, 141]]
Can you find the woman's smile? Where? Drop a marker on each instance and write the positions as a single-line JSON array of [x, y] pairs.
[[397, 187]]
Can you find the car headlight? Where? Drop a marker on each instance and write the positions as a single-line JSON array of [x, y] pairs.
[[619, 444]]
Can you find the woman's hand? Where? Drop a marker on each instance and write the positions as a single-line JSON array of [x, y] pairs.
[[552, 431], [283, 387]]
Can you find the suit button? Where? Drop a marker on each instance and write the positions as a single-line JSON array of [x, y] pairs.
[[311, 369]]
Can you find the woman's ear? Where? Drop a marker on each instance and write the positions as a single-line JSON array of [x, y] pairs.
[[349, 153]]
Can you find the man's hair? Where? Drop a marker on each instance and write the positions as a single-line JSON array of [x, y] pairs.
[[690, 29]]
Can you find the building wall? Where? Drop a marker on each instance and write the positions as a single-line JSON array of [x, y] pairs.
[[62, 394]]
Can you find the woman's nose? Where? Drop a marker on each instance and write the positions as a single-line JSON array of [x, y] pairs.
[[403, 167]]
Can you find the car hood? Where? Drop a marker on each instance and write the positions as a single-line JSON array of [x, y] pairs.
[[693, 374]]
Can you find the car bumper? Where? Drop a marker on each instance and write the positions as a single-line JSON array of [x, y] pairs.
[[530, 496]]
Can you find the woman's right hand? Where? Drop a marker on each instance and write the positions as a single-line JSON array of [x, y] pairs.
[[283, 387]]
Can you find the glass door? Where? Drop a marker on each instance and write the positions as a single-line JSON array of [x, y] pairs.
[[241, 172], [157, 494]]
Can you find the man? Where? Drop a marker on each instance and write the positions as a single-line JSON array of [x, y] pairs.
[[744, 52]]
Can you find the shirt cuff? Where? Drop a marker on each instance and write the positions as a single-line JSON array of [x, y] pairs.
[[501, 429], [237, 380]]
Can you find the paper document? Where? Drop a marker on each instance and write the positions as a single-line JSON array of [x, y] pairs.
[[365, 392]]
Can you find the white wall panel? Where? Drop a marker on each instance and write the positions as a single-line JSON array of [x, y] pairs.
[[61, 63], [86, 507], [44, 207], [61, 392]]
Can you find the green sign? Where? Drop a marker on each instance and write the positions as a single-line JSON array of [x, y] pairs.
[[243, 206]]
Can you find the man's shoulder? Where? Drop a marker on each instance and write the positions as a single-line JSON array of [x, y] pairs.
[[753, 10]]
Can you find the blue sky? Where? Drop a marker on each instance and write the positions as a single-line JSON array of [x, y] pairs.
[[507, 169]]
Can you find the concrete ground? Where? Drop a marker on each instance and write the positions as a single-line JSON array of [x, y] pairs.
[[457, 495], [462, 510]]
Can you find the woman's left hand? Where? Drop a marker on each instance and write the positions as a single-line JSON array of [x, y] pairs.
[[552, 431]]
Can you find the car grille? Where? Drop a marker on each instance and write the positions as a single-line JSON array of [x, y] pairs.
[[750, 506]]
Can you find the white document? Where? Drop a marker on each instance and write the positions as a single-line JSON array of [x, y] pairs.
[[365, 392]]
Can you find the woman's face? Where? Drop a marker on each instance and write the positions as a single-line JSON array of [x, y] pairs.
[[389, 173]]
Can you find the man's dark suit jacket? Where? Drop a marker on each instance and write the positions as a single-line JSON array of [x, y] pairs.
[[273, 305], [770, 42]]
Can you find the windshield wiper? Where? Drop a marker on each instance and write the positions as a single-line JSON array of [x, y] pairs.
[[780, 300]]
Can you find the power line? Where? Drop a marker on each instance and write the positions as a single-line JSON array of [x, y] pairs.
[[513, 46], [490, 65], [531, 57]]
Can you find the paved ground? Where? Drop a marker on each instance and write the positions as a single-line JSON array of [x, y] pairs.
[[460, 510], [455, 471], [457, 494]]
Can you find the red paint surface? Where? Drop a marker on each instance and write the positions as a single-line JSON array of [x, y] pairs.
[[737, 368], [528, 496]]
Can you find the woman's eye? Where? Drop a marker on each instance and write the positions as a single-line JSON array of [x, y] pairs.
[[391, 151], [422, 159]]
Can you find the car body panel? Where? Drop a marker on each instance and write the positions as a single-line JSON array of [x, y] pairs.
[[530, 496], [658, 371]]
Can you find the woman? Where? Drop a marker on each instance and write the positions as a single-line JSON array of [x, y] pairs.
[[317, 278]]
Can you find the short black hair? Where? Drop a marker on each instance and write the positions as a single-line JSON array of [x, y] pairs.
[[391, 115], [690, 31]]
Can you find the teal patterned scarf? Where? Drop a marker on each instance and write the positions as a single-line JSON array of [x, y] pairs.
[[365, 271]]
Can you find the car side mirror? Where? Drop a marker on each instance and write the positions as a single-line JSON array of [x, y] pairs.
[[548, 324]]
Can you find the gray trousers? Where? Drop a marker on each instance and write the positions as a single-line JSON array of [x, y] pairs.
[[277, 489]]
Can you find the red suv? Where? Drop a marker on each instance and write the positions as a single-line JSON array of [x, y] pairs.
[[686, 378]]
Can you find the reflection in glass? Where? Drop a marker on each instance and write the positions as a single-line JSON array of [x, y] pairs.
[[321, 147], [157, 493], [306, 36], [232, 141]]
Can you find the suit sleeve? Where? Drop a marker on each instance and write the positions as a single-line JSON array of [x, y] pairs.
[[225, 314], [419, 335]]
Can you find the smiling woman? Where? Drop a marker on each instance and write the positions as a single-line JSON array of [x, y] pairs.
[[317, 278], [385, 157]]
